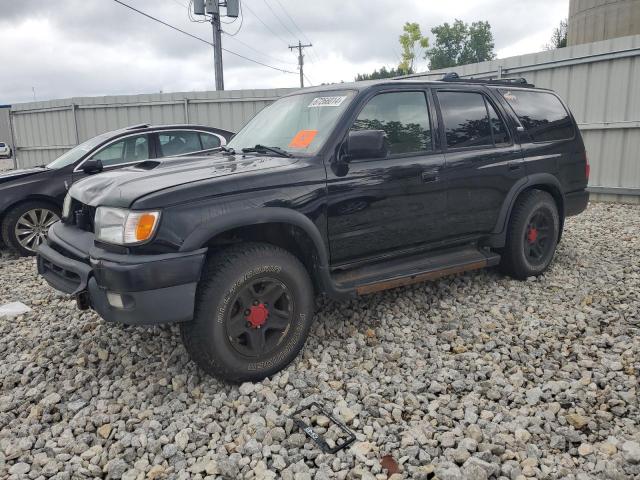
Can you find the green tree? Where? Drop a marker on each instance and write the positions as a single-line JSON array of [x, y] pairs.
[[460, 44], [411, 41], [378, 74], [559, 37]]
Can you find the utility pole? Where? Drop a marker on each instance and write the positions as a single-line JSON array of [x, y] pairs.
[[300, 59], [217, 47], [212, 7]]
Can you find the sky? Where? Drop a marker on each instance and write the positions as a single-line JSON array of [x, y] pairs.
[[73, 48]]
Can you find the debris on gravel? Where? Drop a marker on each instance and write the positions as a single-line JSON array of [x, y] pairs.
[[475, 376]]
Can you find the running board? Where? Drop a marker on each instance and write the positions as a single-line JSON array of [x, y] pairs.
[[414, 269]]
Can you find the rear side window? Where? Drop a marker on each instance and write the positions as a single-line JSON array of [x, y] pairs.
[[209, 141], [541, 113], [404, 117], [470, 121], [179, 142]]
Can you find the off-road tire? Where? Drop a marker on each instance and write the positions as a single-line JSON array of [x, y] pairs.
[[11, 218], [224, 276], [515, 261]]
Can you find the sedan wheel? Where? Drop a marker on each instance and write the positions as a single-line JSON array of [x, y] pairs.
[[32, 227]]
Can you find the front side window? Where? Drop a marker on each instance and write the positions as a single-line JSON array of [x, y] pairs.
[[128, 150], [404, 117], [541, 113], [298, 123], [178, 143]]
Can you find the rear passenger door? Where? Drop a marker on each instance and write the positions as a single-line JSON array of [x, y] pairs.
[[173, 143], [482, 162]]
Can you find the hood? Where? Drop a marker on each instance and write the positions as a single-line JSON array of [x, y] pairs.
[[120, 188], [16, 174]]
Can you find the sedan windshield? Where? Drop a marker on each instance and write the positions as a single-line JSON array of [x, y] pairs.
[[297, 124], [77, 152]]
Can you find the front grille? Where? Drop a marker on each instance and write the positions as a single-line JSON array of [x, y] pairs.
[[81, 215]]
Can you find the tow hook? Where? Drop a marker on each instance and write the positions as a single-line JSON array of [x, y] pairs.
[[82, 300]]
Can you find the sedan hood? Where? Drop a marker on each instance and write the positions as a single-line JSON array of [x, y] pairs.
[[120, 188], [16, 174]]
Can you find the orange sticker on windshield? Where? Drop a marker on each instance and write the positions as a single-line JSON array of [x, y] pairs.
[[303, 138]]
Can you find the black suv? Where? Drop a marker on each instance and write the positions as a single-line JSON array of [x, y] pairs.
[[31, 198], [343, 190]]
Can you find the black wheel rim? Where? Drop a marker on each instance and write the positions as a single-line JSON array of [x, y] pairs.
[[538, 237], [259, 317]]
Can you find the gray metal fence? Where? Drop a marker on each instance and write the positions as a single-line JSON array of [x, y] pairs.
[[599, 80], [45, 130], [601, 83]]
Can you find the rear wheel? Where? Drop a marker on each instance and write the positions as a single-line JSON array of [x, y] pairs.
[[532, 235], [254, 308], [26, 226]]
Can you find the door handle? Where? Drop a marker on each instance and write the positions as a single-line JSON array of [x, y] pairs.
[[515, 166], [428, 177]]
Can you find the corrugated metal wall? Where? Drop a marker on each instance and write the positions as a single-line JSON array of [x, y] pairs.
[[45, 130], [601, 83], [599, 80]]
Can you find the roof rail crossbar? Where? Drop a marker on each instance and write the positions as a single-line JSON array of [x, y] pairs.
[[454, 77], [136, 127]]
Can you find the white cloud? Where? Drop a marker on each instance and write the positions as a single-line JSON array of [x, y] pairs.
[[74, 47]]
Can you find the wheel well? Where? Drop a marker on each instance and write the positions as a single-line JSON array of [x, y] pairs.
[[34, 198], [289, 237], [557, 197]]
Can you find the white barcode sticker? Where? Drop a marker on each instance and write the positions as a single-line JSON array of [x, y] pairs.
[[327, 102]]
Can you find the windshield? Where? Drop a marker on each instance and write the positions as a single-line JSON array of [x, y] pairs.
[[297, 124], [77, 152]]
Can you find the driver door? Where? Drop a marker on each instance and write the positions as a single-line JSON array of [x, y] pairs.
[[379, 206]]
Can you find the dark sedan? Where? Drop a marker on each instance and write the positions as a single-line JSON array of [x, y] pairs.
[[31, 199]]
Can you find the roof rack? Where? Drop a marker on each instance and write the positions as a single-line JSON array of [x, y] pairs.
[[520, 82]]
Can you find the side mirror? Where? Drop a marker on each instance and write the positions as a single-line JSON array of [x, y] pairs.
[[367, 144], [92, 166]]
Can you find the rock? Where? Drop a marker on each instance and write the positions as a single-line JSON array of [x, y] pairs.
[[181, 439], [156, 472], [20, 468], [103, 355], [585, 449], [51, 399], [577, 421], [115, 468], [322, 421], [608, 448], [533, 395], [631, 452], [105, 430], [474, 431], [522, 435], [448, 471], [474, 472], [228, 468], [247, 388], [448, 440]]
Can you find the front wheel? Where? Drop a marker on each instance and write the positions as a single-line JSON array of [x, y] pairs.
[[532, 235], [254, 308], [26, 225]]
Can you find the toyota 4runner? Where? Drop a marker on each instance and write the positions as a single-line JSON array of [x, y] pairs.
[[344, 190]]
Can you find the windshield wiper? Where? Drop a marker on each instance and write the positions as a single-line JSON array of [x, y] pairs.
[[263, 149]]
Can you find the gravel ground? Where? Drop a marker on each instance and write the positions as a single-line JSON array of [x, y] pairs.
[[476, 376]]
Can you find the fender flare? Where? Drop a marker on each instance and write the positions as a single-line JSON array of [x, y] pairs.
[[520, 186], [256, 216]]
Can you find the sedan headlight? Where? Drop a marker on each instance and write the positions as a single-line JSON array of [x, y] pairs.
[[66, 206], [125, 227]]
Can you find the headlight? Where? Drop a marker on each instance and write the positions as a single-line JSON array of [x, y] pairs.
[[125, 227], [66, 206]]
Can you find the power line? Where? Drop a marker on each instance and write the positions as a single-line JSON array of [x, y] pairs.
[[313, 52], [195, 37], [255, 50], [293, 35], [266, 26]]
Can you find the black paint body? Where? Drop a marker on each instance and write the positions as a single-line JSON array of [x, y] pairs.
[[341, 214]]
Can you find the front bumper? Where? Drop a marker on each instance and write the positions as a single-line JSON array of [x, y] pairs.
[[149, 289]]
